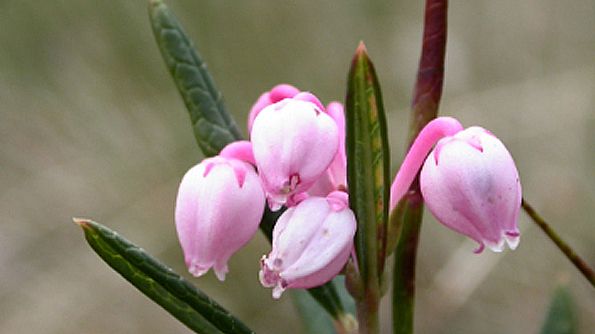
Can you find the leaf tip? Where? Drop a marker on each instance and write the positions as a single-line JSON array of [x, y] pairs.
[[361, 55], [361, 49], [82, 222]]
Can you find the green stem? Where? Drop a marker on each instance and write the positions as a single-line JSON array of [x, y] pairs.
[[367, 312], [426, 98], [411, 209], [578, 262]]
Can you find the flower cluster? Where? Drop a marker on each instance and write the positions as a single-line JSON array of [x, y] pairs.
[[295, 158]]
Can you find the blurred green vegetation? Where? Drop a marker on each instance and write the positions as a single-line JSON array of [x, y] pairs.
[[92, 125]]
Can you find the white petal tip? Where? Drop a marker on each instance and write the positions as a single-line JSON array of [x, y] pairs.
[[197, 270], [274, 205], [277, 292], [512, 239], [220, 273], [496, 248]]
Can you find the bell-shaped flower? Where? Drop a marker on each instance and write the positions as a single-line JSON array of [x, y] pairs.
[[218, 209], [294, 143], [335, 177], [311, 244], [276, 94], [470, 184]]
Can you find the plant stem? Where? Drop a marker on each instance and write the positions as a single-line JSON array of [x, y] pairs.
[[405, 255], [578, 262], [426, 98], [367, 312]]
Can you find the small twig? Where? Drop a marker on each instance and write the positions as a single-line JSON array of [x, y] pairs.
[[578, 262]]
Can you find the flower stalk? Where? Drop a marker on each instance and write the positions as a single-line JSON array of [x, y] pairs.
[[578, 262]]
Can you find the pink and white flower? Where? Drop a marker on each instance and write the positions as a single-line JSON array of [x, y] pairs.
[[470, 184], [294, 143], [311, 244], [218, 209]]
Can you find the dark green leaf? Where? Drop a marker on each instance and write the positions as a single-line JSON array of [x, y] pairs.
[[314, 319], [328, 297], [313, 315], [213, 126], [561, 318], [367, 166], [176, 295]]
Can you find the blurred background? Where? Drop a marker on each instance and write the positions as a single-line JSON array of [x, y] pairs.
[[91, 125]]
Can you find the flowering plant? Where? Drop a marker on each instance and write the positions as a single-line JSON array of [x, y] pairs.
[[316, 181]]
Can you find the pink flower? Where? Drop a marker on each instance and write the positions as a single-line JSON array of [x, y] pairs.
[[276, 94], [218, 209], [470, 184], [335, 177], [311, 244], [294, 143]]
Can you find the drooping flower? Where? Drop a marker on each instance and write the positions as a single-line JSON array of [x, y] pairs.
[[218, 209], [335, 177], [273, 96], [470, 184], [311, 244], [294, 143]]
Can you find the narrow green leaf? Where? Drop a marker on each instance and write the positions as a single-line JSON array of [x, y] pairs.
[[316, 320], [213, 126], [328, 297], [367, 165], [171, 291], [368, 180], [561, 318]]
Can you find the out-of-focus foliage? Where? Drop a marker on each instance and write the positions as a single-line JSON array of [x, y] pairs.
[[561, 318]]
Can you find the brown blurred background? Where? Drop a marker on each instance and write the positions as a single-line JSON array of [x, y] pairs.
[[92, 125]]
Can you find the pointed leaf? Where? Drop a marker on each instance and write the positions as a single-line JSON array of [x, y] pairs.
[[213, 126], [561, 318], [367, 165], [158, 282]]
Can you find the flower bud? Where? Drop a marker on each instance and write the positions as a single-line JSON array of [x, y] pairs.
[[470, 184], [311, 244], [218, 209], [294, 143]]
